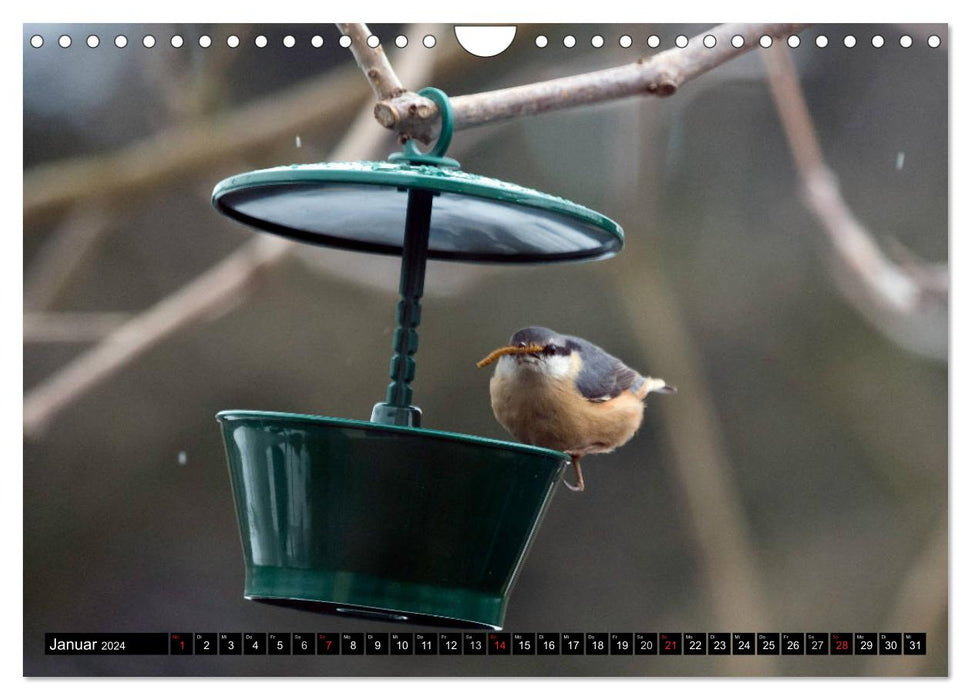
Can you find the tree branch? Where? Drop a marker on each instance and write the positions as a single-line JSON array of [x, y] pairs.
[[373, 62], [908, 303], [412, 116]]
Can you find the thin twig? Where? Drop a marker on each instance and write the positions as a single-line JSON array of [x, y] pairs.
[[413, 116], [907, 303], [221, 285], [373, 62]]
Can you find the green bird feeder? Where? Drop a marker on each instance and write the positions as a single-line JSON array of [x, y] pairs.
[[383, 518]]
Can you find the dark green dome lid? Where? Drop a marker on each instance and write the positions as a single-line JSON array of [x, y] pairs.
[[361, 206]]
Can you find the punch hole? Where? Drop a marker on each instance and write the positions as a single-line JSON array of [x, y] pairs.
[[177, 42], [429, 41], [849, 41], [709, 41], [93, 41], [316, 41], [597, 41], [793, 41], [906, 41], [344, 41], [485, 41], [877, 41], [289, 41], [654, 41], [37, 41], [822, 41], [569, 41], [738, 41], [373, 41], [260, 42], [680, 41], [765, 41], [148, 41], [933, 41], [625, 41], [401, 41], [121, 41], [542, 41], [205, 41], [64, 41], [232, 41]]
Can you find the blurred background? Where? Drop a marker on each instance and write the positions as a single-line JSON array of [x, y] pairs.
[[797, 482]]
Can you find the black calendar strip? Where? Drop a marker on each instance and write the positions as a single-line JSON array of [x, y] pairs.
[[489, 643]]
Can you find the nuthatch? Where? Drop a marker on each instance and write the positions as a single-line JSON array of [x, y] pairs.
[[567, 394]]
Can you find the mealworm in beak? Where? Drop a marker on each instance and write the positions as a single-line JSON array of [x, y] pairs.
[[508, 350]]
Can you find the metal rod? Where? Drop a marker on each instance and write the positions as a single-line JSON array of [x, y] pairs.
[[397, 409]]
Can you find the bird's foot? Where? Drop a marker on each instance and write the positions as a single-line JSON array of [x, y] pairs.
[[576, 466]]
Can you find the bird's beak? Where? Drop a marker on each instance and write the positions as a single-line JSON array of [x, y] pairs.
[[509, 350]]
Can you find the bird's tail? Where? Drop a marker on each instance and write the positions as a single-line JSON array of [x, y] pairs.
[[658, 386]]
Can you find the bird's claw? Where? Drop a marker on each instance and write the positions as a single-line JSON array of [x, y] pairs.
[[577, 488], [576, 467]]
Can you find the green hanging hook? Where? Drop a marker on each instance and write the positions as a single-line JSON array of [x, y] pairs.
[[436, 156]]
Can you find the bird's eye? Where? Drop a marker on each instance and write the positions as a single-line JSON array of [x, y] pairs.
[[549, 349]]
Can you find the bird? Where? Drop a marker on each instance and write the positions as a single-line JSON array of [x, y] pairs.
[[565, 393]]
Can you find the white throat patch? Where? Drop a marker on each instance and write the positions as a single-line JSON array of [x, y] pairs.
[[552, 366]]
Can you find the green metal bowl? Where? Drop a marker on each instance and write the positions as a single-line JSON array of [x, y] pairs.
[[394, 523]]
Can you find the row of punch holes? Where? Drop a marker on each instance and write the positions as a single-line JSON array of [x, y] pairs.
[[429, 41]]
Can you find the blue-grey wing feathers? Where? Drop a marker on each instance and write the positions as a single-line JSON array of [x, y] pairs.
[[603, 376]]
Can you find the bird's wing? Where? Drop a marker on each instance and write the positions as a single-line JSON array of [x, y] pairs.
[[603, 376]]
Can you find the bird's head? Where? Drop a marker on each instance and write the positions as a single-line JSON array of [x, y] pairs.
[[538, 349]]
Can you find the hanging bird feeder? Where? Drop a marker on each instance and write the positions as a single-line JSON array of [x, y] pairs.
[[383, 518]]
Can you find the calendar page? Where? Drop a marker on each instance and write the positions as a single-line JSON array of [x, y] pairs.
[[703, 267]]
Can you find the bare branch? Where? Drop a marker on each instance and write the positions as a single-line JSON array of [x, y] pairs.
[[373, 62], [412, 116], [212, 291], [907, 303]]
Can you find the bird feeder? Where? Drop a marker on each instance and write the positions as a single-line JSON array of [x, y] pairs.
[[383, 518]]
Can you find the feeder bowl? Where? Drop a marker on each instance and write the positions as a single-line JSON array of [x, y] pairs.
[[396, 524], [385, 519]]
